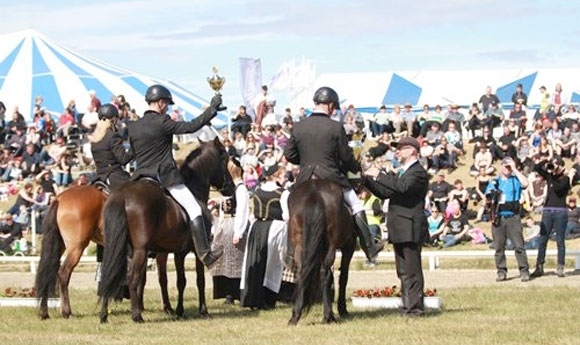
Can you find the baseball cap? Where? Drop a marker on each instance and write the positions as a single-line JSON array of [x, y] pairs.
[[406, 141]]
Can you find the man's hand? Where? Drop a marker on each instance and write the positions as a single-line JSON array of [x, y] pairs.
[[216, 103]]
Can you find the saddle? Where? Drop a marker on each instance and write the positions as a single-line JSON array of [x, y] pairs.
[[165, 191]]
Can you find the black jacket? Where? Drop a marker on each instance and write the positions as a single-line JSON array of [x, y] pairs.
[[406, 219], [320, 146], [110, 157], [151, 139]]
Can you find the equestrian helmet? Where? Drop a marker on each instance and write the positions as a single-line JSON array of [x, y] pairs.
[[157, 92], [326, 95], [108, 111]]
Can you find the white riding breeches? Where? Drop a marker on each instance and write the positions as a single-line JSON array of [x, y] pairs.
[[184, 197], [356, 205]]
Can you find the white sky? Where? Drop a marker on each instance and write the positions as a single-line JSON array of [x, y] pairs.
[[181, 40]]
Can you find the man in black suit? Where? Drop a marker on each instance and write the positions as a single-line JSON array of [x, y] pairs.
[[151, 139], [320, 146], [406, 219]]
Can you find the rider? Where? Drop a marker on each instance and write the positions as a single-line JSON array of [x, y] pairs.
[[319, 144], [151, 139], [109, 155], [108, 151]]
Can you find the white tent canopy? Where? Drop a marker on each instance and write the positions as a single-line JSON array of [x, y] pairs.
[[463, 87], [32, 65]]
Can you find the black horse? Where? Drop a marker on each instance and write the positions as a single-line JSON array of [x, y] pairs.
[[140, 217], [320, 223]]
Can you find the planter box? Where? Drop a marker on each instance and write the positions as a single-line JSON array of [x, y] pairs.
[[27, 302], [392, 302]]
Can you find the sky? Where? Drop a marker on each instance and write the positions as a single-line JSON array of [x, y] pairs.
[[181, 40]]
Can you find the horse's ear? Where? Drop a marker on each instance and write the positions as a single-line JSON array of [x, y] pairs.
[[217, 142]]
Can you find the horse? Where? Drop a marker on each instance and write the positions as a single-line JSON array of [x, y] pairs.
[[320, 222], [73, 220], [140, 217]]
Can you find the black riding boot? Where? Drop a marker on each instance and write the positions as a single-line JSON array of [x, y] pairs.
[[367, 243], [201, 243]]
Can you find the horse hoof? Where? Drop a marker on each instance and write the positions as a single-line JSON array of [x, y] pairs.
[[44, 317], [169, 311], [292, 322], [138, 319], [343, 313], [104, 320], [330, 319]]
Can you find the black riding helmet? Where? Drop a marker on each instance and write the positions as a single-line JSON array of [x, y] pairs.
[[108, 111], [157, 92], [326, 95]]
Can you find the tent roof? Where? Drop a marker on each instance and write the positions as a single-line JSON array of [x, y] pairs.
[[32, 65], [372, 89]]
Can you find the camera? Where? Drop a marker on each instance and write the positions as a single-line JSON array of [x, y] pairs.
[[550, 166]]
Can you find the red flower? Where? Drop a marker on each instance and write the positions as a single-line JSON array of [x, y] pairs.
[[388, 291]]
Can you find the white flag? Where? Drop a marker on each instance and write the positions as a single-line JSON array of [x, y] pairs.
[[250, 81]]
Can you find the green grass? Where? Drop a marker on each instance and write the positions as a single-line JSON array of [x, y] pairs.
[[488, 315]]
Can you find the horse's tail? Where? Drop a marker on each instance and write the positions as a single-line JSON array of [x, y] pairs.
[[114, 265], [52, 248], [314, 248]]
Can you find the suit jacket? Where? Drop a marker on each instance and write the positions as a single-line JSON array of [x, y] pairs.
[[110, 156], [406, 219], [320, 146], [151, 139]]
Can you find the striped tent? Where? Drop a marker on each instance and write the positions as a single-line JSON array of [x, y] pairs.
[[32, 65]]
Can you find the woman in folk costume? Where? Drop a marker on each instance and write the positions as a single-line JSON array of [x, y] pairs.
[[263, 266], [228, 232]]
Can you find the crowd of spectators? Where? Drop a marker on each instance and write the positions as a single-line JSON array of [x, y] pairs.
[[38, 157]]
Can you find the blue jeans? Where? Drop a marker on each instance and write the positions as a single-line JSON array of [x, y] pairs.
[[553, 221], [450, 240]]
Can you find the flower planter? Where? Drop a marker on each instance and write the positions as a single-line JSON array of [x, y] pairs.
[[27, 302], [392, 302]]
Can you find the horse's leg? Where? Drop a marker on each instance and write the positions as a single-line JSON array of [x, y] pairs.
[[298, 304], [136, 282], [347, 253], [162, 275], [104, 315], [72, 259], [200, 279], [327, 285], [181, 281]]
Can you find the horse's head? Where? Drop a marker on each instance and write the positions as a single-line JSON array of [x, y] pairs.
[[206, 166]]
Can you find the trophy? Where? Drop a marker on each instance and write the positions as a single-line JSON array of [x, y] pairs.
[[216, 83]]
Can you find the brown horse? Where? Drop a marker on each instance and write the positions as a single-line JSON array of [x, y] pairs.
[[140, 217], [320, 223], [71, 222], [74, 219]]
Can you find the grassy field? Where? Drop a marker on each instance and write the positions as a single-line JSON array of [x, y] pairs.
[[488, 315]]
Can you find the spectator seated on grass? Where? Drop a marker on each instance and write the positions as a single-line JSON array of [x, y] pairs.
[[456, 225]]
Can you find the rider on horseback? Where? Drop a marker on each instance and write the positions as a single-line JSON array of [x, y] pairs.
[[108, 151], [319, 144], [110, 156], [151, 139]]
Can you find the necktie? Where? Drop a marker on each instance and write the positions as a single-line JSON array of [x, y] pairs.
[[401, 172]]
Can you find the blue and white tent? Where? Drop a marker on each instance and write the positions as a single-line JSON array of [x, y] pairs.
[[32, 65]]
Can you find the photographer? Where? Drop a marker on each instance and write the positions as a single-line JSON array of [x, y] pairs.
[[504, 193], [554, 213]]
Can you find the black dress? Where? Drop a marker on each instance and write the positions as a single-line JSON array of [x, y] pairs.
[[266, 209]]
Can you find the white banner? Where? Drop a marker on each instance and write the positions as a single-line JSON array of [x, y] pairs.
[[250, 82]]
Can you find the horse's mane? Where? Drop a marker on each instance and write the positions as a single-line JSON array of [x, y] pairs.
[[199, 166]]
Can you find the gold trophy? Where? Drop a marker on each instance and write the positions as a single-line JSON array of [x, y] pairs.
[[216, 83]]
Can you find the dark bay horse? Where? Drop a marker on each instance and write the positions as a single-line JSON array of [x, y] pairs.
[[139, 217], [74, 219], [320, 223]]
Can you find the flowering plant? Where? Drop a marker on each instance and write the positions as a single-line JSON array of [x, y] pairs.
[[392, 291], [18, 292]]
